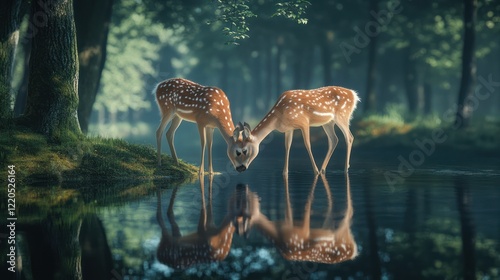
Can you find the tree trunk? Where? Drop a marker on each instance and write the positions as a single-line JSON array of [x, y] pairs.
[[464, 111], [277, 91], [22, 92], [52, 102], [297, 67], [410, 81], [326, 55], [427, 98], [9, 37], [371, 98], [92, 20]]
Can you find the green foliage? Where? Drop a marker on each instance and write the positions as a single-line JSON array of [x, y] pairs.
[[293, 10], [84, 159], [133, 47], [234, 16]]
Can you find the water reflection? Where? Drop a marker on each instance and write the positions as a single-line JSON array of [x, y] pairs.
[[208, 244], [296, 240]]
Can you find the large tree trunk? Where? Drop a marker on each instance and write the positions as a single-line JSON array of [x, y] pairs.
[[52, 102], [464, 111], [9, 37], [92, 20], [371, 98]]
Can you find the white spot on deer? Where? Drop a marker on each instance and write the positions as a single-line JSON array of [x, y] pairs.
[[184, 111], [343, 105], [323, 114]]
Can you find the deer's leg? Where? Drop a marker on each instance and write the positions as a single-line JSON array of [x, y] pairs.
[[349, 138], [307, 143], [288, 144], [176, 121], [210, 137], [159, 132], [202, 131], [333, 140]]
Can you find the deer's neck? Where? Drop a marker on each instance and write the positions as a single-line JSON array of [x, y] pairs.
[[226, 129], [264, 127]]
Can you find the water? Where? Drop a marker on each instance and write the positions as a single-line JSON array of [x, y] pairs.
[[439, 222]]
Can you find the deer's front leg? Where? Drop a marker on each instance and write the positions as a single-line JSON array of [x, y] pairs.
[[210, 137], [159, 132], [176, 121], [201, 130]]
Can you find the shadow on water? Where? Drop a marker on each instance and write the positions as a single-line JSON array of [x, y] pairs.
[[438, 224]]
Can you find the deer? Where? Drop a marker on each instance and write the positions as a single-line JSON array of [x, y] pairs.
[[208, 244], [297, 241], [302, 109], [180, 99]]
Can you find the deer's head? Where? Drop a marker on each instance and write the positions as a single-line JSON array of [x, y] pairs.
[[244, 148]]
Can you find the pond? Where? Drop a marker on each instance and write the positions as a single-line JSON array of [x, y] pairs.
[[436, 221]]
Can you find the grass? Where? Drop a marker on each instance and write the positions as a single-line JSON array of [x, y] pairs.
[[90, 158], [394, 129]]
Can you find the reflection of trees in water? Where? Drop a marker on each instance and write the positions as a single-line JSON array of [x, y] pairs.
[[441, 248]]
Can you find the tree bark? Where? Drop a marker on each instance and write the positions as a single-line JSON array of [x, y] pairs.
[[464, 110], [370, 105], [9, 37], [52, 102], [92, 20]]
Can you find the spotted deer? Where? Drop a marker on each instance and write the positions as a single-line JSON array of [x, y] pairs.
[[296, 240], [180, 99], [302, 109]]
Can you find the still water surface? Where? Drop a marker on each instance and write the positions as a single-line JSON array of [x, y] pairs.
[[440, 222]]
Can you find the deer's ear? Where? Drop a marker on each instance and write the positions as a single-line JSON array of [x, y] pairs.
[[246, 125], [246, 132], [237, 130]]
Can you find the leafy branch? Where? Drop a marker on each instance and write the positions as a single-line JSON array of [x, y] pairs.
[[293, 10], [234, 15]]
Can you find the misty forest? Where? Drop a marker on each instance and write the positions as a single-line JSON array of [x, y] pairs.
[[414, 189]]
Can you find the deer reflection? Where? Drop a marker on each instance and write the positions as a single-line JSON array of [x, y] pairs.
[[208, 244], [297, 241]]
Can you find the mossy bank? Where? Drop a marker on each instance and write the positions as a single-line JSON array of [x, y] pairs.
[[38, 160]]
